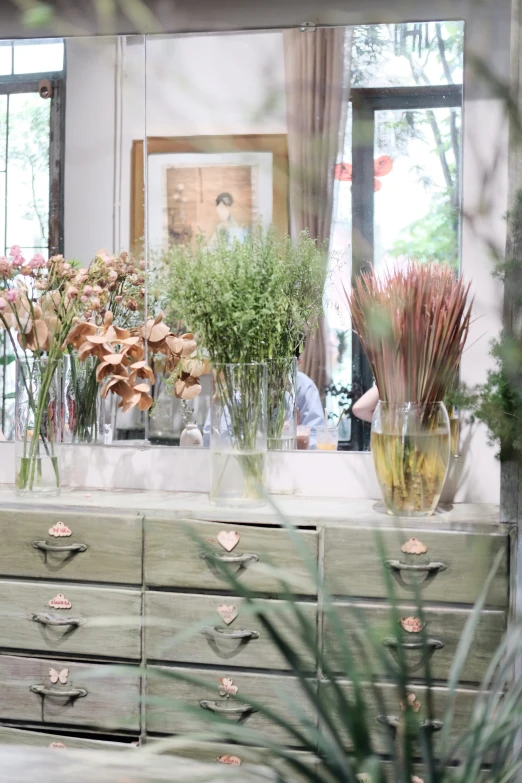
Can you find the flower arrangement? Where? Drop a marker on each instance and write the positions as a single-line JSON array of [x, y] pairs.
[[39, 301], [413, 323], [121, 353], [48, 307]]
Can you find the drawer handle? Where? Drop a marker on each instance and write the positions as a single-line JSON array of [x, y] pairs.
[[243, 560], [71, 693], [52, 619], [394, 643], [394, 722], [224, 708], [222, 633], [430, 568], [45, 547]]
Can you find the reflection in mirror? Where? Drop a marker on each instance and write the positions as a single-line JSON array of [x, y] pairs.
[[226, 153], [162, 137]]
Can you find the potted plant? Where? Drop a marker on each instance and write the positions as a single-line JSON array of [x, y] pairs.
[[249, 303], [413, 323]]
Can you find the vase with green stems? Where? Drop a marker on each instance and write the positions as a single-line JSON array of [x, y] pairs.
[[282, 403], [38, 425], [238, 435], [81, 400]]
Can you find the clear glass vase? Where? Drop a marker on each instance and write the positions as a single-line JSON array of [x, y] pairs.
[[238, 434], [411, 452], [82, 419], [282, 403], [38, 426]]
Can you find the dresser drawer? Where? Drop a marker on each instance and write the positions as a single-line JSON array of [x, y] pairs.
[[443, 629], [241, 642], [385, 712], [99, 621], [173, 555], [276, 692], [450, 566], [88, 698], [90, 547], [235, 755], [45, 739]]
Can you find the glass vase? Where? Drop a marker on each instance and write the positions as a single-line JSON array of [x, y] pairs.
[[282, 403], [411, 452], [38, 426], [238, 434], [81, 401]]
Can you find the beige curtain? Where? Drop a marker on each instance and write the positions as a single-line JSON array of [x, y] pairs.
[[317, 91]]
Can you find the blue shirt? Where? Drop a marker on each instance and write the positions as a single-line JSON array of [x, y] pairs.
[[308, 402]]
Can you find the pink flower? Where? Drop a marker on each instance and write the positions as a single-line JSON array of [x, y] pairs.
[[95, 303], [84, 299], [113, 275], [87, 290], [37, 261], [12, 295], [72, 292], [15, 251], [18, 261]]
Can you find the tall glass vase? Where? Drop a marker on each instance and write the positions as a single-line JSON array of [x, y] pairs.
[[81, 401], [411, 452], [238, 435], [38, 426], [282, 403]]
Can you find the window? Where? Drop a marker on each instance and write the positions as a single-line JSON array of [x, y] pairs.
[[31, 101], [398, 180]]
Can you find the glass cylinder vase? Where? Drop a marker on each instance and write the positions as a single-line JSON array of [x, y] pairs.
[[82, 420], [411, 451], [38, 426], [238, 434], [282, 403]]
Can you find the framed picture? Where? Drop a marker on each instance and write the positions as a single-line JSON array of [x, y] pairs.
[[205, 184]]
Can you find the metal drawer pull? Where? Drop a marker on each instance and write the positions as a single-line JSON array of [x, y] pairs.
[[45, 547], [53, 619], [222, 633], [243, 560], [430, 568], [394, 722], [393, 643], [226, 709], [72, 693]]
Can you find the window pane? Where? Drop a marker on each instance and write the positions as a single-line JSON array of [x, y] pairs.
[[417, 202], [38, 57], [28, 171], [406, 55], [6, 59]]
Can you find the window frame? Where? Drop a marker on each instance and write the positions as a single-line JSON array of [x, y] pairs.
[[366, 101]]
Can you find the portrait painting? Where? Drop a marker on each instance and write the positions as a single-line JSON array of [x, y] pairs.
[[229, 189]]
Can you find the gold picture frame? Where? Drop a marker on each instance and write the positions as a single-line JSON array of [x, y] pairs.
[[276, 144]]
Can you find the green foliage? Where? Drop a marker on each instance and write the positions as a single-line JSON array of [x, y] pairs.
[[248, 301], [432, 238], [498, 402]]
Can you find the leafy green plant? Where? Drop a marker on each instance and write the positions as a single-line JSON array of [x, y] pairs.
[[248, 301], [334, 720]]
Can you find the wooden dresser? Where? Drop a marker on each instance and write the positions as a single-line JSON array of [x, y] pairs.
[[91, 581]]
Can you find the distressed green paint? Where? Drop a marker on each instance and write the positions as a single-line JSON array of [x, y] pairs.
[[113, 554], [172, 556], [111, 620], [353, 566], [112, 700]]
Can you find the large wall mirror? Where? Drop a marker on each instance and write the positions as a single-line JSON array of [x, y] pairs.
[[140, 142]]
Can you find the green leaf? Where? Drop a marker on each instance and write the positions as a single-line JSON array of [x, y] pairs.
[[40, 15]]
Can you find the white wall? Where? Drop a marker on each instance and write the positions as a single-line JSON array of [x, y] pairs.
[[205, 85]]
